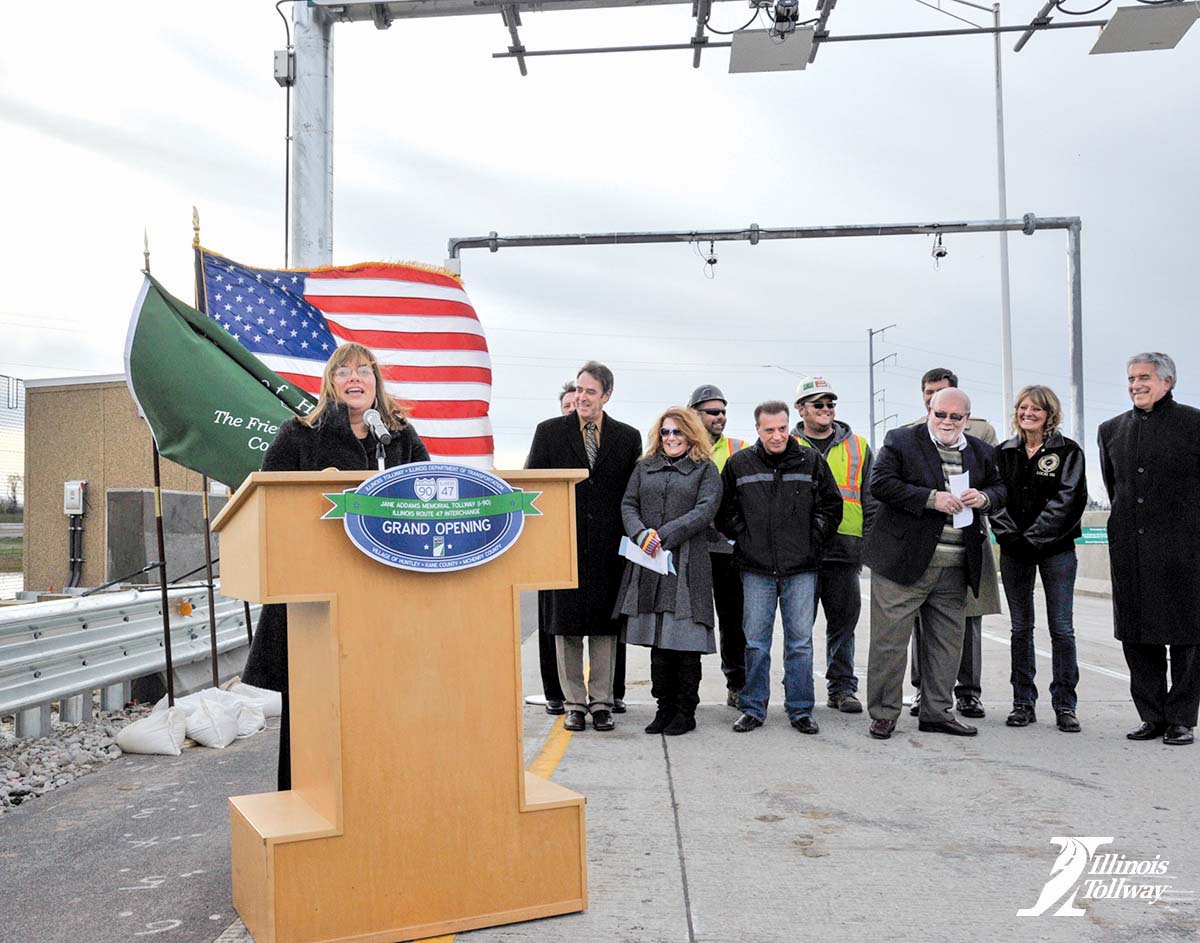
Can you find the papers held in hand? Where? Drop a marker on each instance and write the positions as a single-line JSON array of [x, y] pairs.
[[660, 561], [958, 484]]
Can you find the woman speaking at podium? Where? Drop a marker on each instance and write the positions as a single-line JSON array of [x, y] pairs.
[[671, 499], [336, 434]]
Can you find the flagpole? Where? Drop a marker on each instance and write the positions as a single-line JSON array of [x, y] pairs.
[[158, 527], [208, 567]]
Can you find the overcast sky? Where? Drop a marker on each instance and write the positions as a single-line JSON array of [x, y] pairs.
[[119, 117]]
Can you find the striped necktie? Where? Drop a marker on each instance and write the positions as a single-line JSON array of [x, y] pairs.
[[590, 443]]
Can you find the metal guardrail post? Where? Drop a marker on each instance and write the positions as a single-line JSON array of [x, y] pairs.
[[115, 696], [76, 709], [33, 721]]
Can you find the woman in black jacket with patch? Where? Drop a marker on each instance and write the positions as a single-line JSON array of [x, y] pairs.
[[1047, 494], [333, 435]]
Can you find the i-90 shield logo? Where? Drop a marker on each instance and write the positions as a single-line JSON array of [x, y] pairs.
[[433, 516]]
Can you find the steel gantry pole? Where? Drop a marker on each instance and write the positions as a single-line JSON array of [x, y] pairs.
[[1075, 339], [312, 139]]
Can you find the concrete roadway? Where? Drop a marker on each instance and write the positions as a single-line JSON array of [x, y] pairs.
[[714, 836]]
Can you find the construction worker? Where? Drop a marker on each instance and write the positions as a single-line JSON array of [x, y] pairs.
[[849, 458], [710, 404]]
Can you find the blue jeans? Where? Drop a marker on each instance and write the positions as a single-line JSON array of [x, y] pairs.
[[796, 596], [1058, 582]]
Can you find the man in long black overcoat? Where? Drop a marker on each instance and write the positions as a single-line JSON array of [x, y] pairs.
[[589, 438], [1150, 459]]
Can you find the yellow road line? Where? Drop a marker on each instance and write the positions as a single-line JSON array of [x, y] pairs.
[[552, 751]]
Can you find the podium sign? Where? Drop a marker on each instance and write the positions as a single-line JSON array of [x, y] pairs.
[[433, 516], [411, 814]]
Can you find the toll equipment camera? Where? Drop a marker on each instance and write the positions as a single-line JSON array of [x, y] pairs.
[[939, 251], [787, 15]]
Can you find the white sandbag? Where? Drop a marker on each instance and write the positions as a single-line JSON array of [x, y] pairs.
[[186, 704], [250, 719], [270, 701], [212, 725], [249, 713], [160, 732]]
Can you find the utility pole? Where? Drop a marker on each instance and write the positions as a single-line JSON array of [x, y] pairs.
[[872, 363]]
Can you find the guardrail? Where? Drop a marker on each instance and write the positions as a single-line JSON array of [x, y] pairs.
[[65, 649]]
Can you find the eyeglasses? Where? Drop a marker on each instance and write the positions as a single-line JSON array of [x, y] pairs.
[[713, 412], [823, 404], [955, 417], [363, 372], [671, 433]]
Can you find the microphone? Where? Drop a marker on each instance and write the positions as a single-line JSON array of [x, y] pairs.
[[375, 423]]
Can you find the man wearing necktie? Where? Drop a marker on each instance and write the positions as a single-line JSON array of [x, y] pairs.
[[591, 439]]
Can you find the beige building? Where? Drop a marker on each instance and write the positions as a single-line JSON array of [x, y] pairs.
[[84, 429]]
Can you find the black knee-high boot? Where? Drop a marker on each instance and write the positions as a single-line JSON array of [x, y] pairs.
[[663, 687], [687, 692]]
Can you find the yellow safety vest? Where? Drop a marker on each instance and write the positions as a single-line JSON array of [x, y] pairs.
[[846, 462], [724, 447]]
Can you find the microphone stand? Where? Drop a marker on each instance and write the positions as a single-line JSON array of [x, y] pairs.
[[380, 455]]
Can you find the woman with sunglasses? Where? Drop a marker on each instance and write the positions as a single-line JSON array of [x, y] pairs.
[[1047, 494], [333, 435], [673, 496]]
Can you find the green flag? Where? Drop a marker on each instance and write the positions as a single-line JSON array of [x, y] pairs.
[[212, 405]]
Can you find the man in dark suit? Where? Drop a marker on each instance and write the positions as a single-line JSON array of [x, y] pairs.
[[591, 439], [921, 562], [1150, 459]]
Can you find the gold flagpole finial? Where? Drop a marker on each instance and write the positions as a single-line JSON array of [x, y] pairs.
[[195, 228], [146, 249]]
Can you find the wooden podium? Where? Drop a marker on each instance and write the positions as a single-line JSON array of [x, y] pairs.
[[411, 814]]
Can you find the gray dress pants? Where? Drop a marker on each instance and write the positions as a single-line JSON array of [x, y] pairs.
[[938, 597], [597, 692]]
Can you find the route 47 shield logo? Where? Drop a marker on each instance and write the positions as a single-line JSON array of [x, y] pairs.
[[425, 488]]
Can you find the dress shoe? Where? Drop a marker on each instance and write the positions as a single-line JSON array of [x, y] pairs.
[[845, 702], [806, 724], [1022, 716], [915, 709], [746, 723], [1067, 721], [1177, 735], [731, 696], [618, 706], [664, 716], [575, 720], [681, 724], [952, 727], [555, 707], [882, 729], [602, 720], [1147, 730], [970, 706]]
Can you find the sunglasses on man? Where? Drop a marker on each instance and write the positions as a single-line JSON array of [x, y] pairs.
[[713, 412], [955, 417], [823, 404]]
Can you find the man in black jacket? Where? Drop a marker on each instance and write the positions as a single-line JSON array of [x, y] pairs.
[[781, 507], [922, 559], [589, 438], [1150, 459]]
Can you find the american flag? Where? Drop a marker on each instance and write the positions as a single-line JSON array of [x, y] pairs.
[[419, 322]]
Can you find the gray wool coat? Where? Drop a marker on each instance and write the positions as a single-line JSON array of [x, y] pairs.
[[678, 500]]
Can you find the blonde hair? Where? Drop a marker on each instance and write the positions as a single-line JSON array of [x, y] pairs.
[[1044, 397], [395, 416], [699, 443]]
